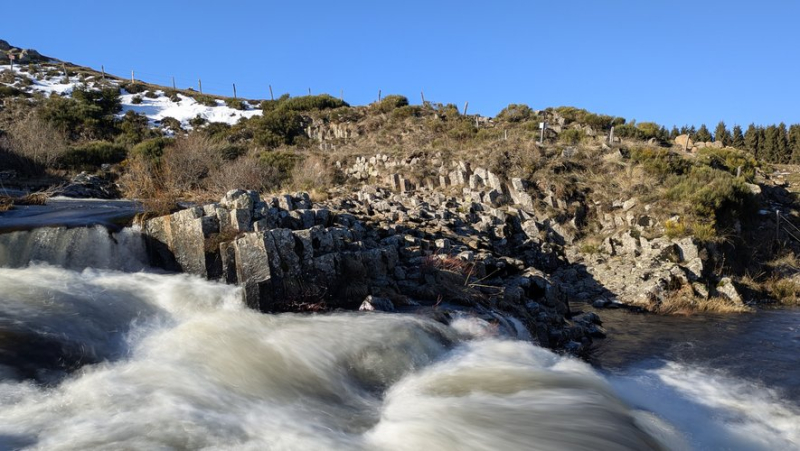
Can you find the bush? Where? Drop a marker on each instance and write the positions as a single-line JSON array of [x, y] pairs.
[[88, 114], [133, 88], [136, 100], [277, 127], [311, 103], [206, 100], [581, 116], [134, 128], [10, 91], [572, 136], [151, 94], [236, 104], [36, 140], [404, 112], [187, 160], [729, 160], [660, 162], [171, 123], [243, 173], [282, 162], [515, 113], [391, 103], [93, 154], [198, 121], [152, 149], [710, 191]]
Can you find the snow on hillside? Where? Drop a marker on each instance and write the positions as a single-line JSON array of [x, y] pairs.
[[155, 109]]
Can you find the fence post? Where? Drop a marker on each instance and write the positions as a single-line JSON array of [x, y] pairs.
[[234, 90], [133, 79], [173, 84], [271, 97], [200, 85], [103, 68]]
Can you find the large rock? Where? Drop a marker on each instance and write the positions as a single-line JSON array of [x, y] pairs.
[[684, 142]]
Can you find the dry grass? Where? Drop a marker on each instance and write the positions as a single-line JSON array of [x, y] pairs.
[[683, 302], [37, 140], [784, 290]]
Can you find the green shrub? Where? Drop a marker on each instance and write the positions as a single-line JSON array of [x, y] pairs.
[[152, 149], [151, 94], [729, 160], [462, 130], [136, 100], [198, 121], [206, 100], [173, 95], [407, 111], [231, 152], [282, 163], [660, 162], [88, 114], [710, 192], [311, 103], [236, 104], [171, 123], [515, 113], [391, 103], [133, 88], [581, 116], [92, 154], [572, 136], [277, 127], [10, 91]]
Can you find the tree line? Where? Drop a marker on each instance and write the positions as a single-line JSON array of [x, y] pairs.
[[773, 143]]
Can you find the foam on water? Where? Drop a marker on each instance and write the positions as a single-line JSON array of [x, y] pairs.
[[191, 368]]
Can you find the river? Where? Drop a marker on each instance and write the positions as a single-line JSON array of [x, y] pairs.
[[99, 351]]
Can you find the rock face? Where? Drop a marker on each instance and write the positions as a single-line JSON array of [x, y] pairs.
[[418, 250], [85, 186]]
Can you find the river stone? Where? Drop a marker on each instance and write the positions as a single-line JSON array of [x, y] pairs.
[[374, 303]]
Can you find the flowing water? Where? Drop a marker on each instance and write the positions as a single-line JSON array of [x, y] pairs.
[[96, 358]]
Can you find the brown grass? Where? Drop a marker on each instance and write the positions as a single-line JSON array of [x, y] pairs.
[[682, 302]]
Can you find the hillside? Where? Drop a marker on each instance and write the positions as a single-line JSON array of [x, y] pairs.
[[609, 212]]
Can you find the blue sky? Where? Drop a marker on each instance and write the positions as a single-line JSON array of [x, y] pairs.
[[673, 62]]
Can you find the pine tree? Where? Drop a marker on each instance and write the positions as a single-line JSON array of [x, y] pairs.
[[721, 134], [753, 141], [782, 153], [685, 130], [737, 140], [794, 142], [769, 148], [674, 133], [702, 135]]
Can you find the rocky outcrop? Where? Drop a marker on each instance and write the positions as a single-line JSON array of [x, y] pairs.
[[86, 186], [376, 250]]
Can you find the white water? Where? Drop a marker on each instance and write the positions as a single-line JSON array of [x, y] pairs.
[[75, 248], [181, 364]]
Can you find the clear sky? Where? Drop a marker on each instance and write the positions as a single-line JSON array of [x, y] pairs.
[[673, 62]]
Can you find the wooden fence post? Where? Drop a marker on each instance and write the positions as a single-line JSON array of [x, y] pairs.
[[200, 85], [271, 97], [234, 90]]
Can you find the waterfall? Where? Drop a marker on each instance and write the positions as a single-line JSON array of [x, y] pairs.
[[75, 248]]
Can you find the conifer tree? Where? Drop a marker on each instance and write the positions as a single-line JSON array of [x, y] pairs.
[[737, 140], [674, 133], [769, 148], [685, 130], [703, 135], [752, 140], [721, 134], [782, 145], [794, 142]]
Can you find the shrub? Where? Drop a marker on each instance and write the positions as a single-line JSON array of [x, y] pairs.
[[171, 123], [462, 130], [391, 103], [93, 154], [660, 162], [88, 114], [206, 100], [710, 191], [515, 113], [136, 100], [277, 127], [244, 173], [313, 173], [187, 160], [150, 94], [729, 160], [236, 104], [152, 149], [581, 116], [134, 128], [37, 140], [676, 229], [10, 91], [133, 88], [282, 162], [198, 121], [572, 136], [311, 103], [404, 112]]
